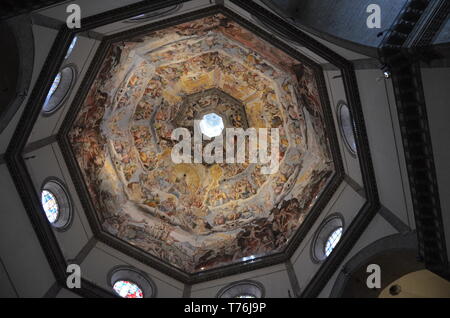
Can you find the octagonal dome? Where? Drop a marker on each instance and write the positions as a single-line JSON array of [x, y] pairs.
[[200, 216]]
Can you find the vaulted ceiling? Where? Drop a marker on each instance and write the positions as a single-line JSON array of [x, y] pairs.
[[134, 82], [139, 69], [198, 216]]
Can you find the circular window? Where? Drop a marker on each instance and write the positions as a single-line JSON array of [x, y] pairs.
[[71, 47], [56, 204], [127, 289], [346, 127], [55, 85], [61, 85], [332, 241], [242, 289], [327, 237], [211, 125], [128, 282], [245, 296], [157, 13], [50, 206]]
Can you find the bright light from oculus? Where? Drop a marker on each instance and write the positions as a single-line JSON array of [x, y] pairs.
[[332, 241], [50, 206], [211, 125], [127, 289]]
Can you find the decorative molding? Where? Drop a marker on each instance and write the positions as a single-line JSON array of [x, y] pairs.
[[46, 21], [354, 185], [53, 291], [440, 63], [148, 16], [361, 64], [187, 291], [91, 290], [93, 35], [293, 279], [394, 220], [84, 252], [35, 145]]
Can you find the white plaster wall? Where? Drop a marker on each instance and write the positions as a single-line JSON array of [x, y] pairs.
[[103, 258], [346, 202], [65, 293], [46, 164], [22, 256], [42, 49], [88, 8], [377, 229], [81, 57], [274, 279], [6, 286], [123, 26], [436, 84], [385, 144], [25, 271], [378, 107], [336, 94]]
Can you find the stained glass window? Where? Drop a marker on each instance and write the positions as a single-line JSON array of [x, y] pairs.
[[54, 86], [245, 296], [211, 125], [157, 13], [242, 289], [50, 205], [347, 127], [332, 240], [61, 85], [127, 289]]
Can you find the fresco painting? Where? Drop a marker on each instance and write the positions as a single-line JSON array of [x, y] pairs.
[[200, 216]]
